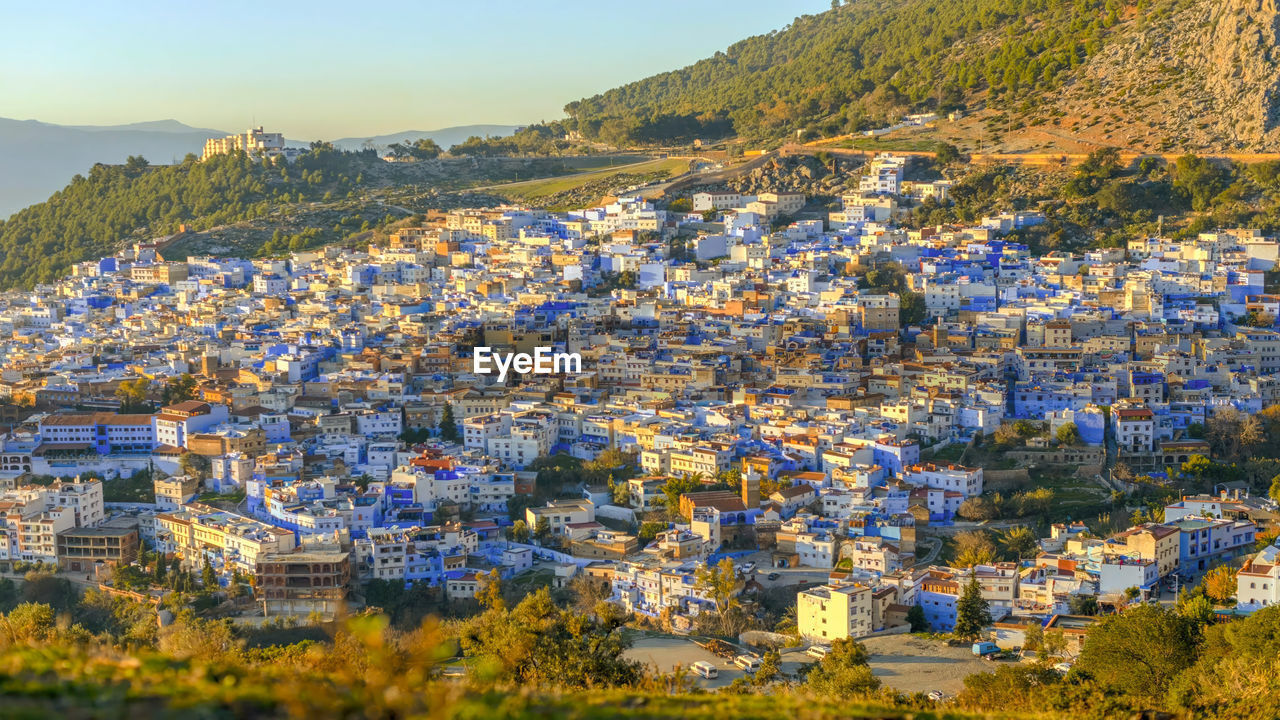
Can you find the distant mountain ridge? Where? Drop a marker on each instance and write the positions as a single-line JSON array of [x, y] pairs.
[[444, 137], [38, 158]]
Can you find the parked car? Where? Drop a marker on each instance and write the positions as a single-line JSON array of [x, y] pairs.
[[774, 576], [704, 669], [937, 695], [983, 649], [817, 652]]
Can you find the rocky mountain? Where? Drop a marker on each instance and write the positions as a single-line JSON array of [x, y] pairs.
[[1147, 75], [1203, 75]]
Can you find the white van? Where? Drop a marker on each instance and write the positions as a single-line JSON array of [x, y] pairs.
[[702, 668], [817, 652], [750, 663]]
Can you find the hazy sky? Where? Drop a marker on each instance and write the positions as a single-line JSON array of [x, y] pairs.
[[323, 69]]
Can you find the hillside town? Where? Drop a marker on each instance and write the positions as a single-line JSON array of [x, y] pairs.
[[808, 397]]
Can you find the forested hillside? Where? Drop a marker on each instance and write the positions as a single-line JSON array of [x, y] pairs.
[[256, 206], [95, 213], [860, 64], [1027, 75]]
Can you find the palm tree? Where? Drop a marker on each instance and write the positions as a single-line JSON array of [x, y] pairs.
[[1018, 542]]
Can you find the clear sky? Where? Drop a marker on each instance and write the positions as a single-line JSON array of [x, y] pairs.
[[324, 69]]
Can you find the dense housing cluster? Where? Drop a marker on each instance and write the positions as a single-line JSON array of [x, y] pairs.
[[749, 384]]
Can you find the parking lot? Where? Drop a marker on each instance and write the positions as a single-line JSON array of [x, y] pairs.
[[911, 664], [904, 662], [666, 653]]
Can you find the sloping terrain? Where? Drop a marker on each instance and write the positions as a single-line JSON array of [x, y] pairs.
[[1151, 75]]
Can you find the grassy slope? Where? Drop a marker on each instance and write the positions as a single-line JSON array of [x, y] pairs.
[[534, 190]]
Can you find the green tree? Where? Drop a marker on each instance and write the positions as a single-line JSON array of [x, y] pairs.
[[888, 277], [1235, 655], [915, 616], [1220, 584], [1196, 608], [538, 644], [719, 583], [8, 595], [1196, 466], [30, 622], [1033, 638], [1010, 688], [974, 547], [193, 637], [1055, 643], [519, 531], [620, 492], [1068, 434], [844, 672], [770, 668], [911, 308], [1139, 651], [1019, 542], [196, 466], [1082, 605], [45, 588], [649, 530], [945, 153], [542, 528], [677, 486], [425, 149], [490, 593], [448, 426], [208, 578], [972, 611], [133, 396], [179, 389]]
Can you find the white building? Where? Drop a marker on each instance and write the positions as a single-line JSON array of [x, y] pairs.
[[705, 201], [834, 612], [957, 478], [1258, 582], [560, 514]]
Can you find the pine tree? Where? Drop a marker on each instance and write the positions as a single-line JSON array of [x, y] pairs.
[[161, 562], [448, 426], [207, 576], [972, 612]]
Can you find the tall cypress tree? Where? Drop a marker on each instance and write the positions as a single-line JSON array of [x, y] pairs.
[[207, 577], [448, 426], [972, 612]]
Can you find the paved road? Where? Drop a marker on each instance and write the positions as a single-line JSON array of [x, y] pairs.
[[932, 553]]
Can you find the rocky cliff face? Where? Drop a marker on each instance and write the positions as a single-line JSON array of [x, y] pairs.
[[1240, 70], [1200, 74]]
